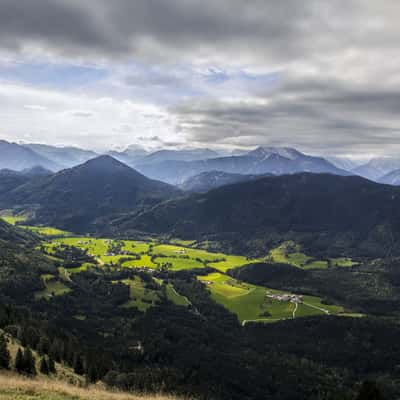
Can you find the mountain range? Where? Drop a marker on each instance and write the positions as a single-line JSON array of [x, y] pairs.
[[63, 157], [16, 157], [377, 168], [263, 160], [74, 198], [177, 167]]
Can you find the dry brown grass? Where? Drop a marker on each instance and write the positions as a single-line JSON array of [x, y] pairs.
[[14, 385]]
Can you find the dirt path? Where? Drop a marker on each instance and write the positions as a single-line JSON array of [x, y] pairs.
[[295, 309], [317, 308]]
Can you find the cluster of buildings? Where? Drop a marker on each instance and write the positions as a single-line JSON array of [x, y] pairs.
[[292, 298]]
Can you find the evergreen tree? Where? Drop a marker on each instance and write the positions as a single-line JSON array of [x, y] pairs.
[[78, 365], [4, 353], [29, 362], [19, 362], [44, 366], [52, 366], [370, 391]]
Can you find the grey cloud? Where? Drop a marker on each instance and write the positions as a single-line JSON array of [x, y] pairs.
[[313, 115], [181, 29]]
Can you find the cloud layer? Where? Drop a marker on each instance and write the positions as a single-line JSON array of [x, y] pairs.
[[320, 75]]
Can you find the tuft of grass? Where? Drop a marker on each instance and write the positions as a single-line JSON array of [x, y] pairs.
[[15, 387]]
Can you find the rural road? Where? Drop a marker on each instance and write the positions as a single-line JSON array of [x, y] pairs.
[[295, 309]]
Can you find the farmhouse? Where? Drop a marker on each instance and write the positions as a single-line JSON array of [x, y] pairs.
[[180, 251], [293, 298]]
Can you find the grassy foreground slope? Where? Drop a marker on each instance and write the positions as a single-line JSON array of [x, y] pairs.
[[15, 387]]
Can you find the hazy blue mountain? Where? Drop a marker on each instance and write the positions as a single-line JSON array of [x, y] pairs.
[[10, 179], [36, 171], [17, 157], [392, 178], [65, 157], [74, 198], [131, 155], [377, 167], [178, 155], [343, 162], [213, 179], [277, 161]]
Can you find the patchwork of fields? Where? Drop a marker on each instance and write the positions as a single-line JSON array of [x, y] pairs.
[[249, 302]]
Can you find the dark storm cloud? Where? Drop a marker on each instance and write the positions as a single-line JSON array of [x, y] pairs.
[[159, 28]]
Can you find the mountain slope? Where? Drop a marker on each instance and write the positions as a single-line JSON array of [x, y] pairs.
[[277, 161], [178, 155], [11, 179], [17, 157], [131, 155], [377, 167], [308, 203], [392, 178], [75, 197], [213, 179]]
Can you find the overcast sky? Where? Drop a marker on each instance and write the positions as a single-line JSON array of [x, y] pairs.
[[323, 76]]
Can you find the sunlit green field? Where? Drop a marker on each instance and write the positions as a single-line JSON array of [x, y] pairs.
[[178, 264], [40, 230], [290, 253], [150, 255], [251, 302], [175, 297], [12, 219], [141, 297], [144, 262], [54, 287], [45, 230]]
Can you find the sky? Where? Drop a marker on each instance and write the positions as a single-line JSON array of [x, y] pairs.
[[323, 77]]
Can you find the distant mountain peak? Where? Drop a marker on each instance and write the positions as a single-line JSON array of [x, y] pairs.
[[265, 151]]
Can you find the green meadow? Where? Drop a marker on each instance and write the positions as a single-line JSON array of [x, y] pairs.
[[139, 254], [13, 219], [54, 287], [290, 253], [141, 297], [253, 303]]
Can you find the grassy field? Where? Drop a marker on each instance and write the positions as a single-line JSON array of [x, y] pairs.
[[54, 287], [141, 297], [251, 302], [15, 387], [179, 263], [45, 230], [175, 297], [40, 230], [290, 253], [144, 261], [12, 219], [151, 255]]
